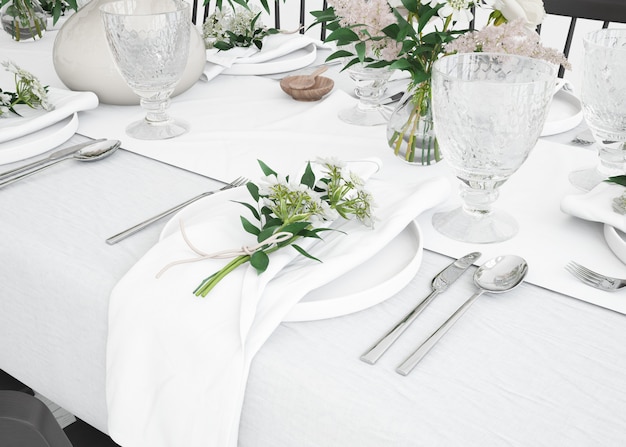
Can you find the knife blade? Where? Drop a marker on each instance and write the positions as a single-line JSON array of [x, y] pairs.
[[53, 156], [439, 284]]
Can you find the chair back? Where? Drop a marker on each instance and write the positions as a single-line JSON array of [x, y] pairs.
[[282, 12], [604, 12]]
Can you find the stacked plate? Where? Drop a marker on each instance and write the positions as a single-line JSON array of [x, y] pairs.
[[37, 130], [280, 53]]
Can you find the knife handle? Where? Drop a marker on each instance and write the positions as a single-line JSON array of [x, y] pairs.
[[41, 167], [381, 346], [411, 362]]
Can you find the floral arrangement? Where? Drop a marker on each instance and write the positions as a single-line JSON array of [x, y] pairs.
[[28, 91], [236, 27], [285, 211], [410, 35], [512, 38], [28, 17]]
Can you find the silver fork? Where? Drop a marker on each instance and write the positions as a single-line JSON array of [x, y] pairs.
[[140, 226], [594, 279]]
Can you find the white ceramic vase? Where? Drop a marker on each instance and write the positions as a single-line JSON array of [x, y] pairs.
[[83, 62]]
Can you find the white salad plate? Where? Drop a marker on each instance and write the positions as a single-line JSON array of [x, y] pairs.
[[368, 284], [565, 113], [616, 240], [65, 103], [38, 142], [293, 60]]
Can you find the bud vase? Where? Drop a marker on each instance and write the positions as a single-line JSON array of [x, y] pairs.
[[410, 128], [24, 19]]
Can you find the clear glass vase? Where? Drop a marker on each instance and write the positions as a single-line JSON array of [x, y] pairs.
[[410, 128], [24, 19]]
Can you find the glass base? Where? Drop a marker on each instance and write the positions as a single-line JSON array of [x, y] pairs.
[[497, 226], [146, 130], [586, 179], [362, 117]]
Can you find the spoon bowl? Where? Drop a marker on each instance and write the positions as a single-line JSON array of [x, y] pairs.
[[91, 152], [303, 82], [497, 275], [97, 150]]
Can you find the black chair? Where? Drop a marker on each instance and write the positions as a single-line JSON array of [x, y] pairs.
[[605, 11], [202, 11], [25, 421]]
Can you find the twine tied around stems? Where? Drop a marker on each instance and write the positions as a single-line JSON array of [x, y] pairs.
[[245, 250]]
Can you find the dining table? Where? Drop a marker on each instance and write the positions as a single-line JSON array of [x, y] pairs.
[[543, 365]]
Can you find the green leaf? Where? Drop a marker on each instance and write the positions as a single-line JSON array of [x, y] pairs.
[[266, 232], [338, 54], [618, 179], [308, 178], [411, 5], [343, 35], [249, 227], [296, 227], [253, 190], [360, 50], [304, 253], [252, 209], [425, 18], [266, 169], [259, 260]]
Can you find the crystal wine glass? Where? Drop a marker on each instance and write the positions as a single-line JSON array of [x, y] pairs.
[[603, 97], [488, 112], [150, 44], [370, 87]]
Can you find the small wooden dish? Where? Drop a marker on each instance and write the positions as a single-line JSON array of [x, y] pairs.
[[321, 87]]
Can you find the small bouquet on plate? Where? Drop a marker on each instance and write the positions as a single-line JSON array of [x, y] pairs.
[[28, 91], [285, 211]]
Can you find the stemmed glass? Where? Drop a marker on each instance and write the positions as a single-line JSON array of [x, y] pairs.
[[150, 44], [488, 112], [603, 96], [370, 87]]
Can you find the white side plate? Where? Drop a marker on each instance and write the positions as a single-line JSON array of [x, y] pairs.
[[371, 283], [65, 102], [374, 281], [38, 142], [615, 239], [565, 113], [292, 61]]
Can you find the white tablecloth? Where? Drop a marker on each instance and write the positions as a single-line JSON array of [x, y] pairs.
[[532, 367]]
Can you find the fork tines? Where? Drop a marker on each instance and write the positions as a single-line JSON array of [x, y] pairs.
[[594, 279]]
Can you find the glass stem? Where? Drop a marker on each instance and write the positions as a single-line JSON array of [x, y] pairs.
[[156, 110], [478, 201]]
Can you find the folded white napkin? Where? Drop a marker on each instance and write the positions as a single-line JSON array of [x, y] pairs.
[[274, 47], [597, 205], [177, 364]]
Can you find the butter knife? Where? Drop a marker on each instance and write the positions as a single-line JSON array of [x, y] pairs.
[[439, 284]]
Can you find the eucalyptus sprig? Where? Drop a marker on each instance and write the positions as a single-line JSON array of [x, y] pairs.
[[284, 211], [28, 91]]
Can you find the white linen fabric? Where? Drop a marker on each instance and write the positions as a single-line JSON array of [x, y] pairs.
[[171, 355], [597, 205]]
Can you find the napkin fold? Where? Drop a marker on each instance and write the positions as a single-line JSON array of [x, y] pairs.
[[274, 47], [596, 205], [177, 365]]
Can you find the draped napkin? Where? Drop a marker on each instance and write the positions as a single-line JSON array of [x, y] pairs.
[[597, 205], [177, 365], [274, 47]]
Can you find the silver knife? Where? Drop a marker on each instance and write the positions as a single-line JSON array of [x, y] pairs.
[[53, 156], [439, 284]]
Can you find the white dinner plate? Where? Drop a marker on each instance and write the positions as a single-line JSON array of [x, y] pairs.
[[369, 284], [565, 113], [616, 240], [38, 142], [65, 103], [292, 61]]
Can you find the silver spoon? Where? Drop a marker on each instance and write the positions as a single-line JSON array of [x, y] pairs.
[[497, 275], [95, 151]]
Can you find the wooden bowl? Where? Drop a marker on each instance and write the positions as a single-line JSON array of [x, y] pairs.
[[321, 87]]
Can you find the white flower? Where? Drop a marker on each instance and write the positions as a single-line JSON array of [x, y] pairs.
[[459, 10], [531, 11], [4, 98]]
